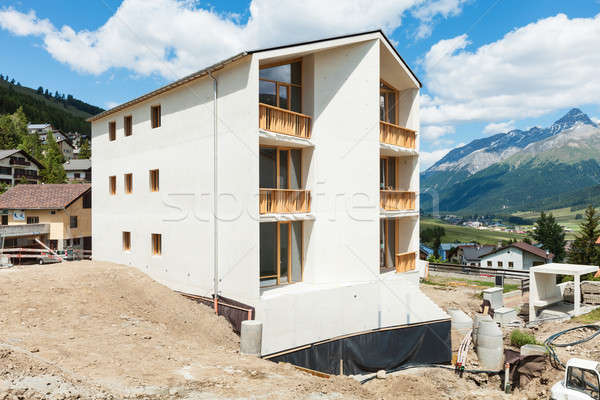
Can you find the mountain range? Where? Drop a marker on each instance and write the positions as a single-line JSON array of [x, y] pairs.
[[540, 168]]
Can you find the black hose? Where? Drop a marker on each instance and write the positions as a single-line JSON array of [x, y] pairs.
[[550, 345], [409, 366]]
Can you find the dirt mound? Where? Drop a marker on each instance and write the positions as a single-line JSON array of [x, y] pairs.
[[100, 330]]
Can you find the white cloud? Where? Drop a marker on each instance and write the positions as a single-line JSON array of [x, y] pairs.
[[596, 119], [499, 127], [110, 104], [431, 132], [176, 37], [426, 13], [532, 70], [427, 159]]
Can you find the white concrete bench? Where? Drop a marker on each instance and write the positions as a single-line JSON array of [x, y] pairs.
[[547, 301]]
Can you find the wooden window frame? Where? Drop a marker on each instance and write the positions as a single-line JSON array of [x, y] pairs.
[[73, 223], [154, 178], [396, 92], [33, 220], [128, 183], [156, 241], [155, 118], [500, 264], [128, 125], [112, 185], [289, 170], [288, 85], [387, 175], [386, 232], [126, 236], [112, 131], [278, 244]]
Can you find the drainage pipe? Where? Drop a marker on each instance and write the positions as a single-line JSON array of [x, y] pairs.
[[215, 195]]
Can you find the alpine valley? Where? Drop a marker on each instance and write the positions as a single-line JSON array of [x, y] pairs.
[[537, 169]]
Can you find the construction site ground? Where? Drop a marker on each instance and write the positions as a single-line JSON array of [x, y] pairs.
[[95, 330]]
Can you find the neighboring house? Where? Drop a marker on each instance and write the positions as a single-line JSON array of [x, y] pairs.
[[445, 249], [39, 128], [78, 170], [59, 215], [66, 147], [316, 225], [517, 255], [16, 166], [425, 252], [470, 254]]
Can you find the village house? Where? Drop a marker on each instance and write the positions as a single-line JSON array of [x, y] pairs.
[[58, 215], [316, 223], [16, 166], [65, 144], [78, 170], [470, 254], [518, 255]]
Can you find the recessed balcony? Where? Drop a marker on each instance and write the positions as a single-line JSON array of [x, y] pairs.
[[279, 120], [396, 135], [397, 200], [284, 201]]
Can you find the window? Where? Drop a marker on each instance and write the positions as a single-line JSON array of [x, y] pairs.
[[128, 125], [499, 264], [112, 185], [4, 219], [280, 253], [280, 168], [156, 244], [76, 241], [155, 116], [52, 212], [76, 175], [583, 380], [112, 130], [281, 86], [73, 222], [388, 99], [128, 179], [33, 220], [489, 263], [68, 242], [87, 200], [6, 170], [154, 184], [126, 241], [511, 264]]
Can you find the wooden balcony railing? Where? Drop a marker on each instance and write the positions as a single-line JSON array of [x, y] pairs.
[[397, 200], [397, 135], [406, 261], [278, 120], [284, 201]]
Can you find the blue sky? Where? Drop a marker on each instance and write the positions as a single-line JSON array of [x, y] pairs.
[[487, 66]]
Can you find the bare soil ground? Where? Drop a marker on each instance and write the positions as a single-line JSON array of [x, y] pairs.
[[93, 330]]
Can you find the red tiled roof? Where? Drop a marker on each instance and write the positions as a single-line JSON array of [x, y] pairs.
[[45, 197], [528, 248]]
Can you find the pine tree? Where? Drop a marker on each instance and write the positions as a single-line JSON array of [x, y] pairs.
[[12, 128], [85, 151], [32, 145], [53, 160], [551, 235], [584, 249]]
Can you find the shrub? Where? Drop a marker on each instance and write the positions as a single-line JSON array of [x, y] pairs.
[[519, 338]]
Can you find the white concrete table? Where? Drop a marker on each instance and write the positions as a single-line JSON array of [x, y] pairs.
[[543, 290]]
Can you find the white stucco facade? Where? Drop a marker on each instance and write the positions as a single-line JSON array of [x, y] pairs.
[[512, 258], [342, 290]]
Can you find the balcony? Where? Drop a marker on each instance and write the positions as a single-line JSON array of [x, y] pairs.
[[19, 161], [284, 201], [283, 121], [406, 261], [395, 200], [27, 173], [397, 135]]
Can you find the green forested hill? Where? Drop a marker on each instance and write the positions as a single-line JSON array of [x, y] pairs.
[[64, 112]]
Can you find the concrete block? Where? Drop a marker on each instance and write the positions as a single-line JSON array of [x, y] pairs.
[[251, 338], [494, 296], [533, 350], [505, 315]]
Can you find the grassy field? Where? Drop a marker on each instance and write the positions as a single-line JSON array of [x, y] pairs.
[[564, 216], [465, 234], [447, 281]]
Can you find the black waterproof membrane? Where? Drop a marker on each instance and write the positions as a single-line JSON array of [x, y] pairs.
[[372, 351]]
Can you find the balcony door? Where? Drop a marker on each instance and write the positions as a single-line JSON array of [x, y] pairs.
[[280, 253], [388, 103], [280, 85], [280, 168], [387, 173], [387, 244]]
